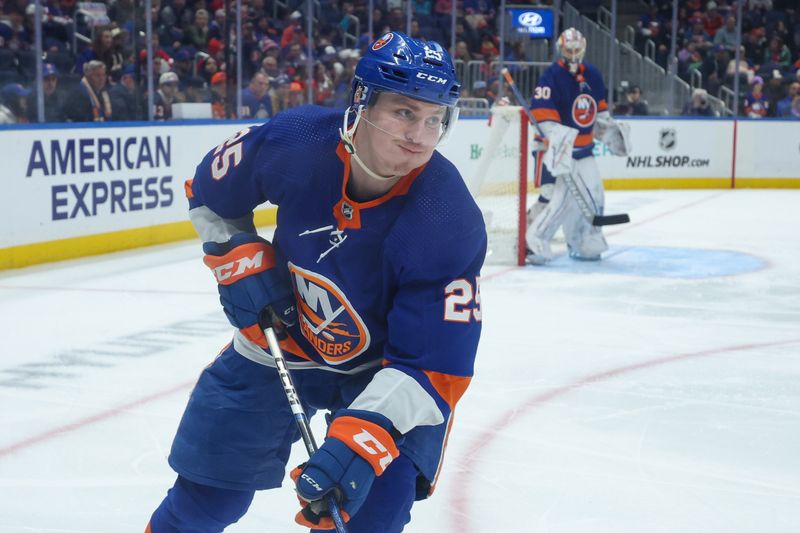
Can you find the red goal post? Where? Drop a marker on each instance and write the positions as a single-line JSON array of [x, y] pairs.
[[500, 184]]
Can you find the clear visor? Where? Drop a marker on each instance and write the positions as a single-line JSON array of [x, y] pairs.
[[434, 128]]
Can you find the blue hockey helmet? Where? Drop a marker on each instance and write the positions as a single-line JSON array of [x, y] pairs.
[[400, 64]]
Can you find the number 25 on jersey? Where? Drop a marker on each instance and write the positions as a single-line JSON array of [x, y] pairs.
[[462, 302]]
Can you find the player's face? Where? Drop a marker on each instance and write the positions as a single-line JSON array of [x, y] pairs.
[[400, 133]]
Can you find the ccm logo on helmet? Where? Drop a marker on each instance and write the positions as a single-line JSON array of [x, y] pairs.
[[429, 77]]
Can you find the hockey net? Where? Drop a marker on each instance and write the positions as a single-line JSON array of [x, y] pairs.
[[499, 184]]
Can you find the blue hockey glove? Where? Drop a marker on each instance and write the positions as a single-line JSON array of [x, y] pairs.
[[358, 447], [248, 283]]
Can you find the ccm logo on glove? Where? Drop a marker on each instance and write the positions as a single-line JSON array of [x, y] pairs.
[[359, 436], [244, 260]]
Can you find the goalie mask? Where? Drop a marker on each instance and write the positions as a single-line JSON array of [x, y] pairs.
[[402, 65], [572, 48]]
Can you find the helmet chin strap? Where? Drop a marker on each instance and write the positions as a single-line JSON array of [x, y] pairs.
[[346, 133]]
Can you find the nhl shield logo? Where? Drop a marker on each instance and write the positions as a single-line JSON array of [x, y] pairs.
[[327, 319], [347, 211], [667, 138]]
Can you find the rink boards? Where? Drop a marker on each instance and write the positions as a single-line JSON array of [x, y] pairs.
[[78, 190]]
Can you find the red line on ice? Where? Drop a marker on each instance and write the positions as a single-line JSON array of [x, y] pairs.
[[89, 420], [460, 507]]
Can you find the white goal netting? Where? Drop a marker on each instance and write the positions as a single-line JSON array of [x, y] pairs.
[[499, 184]]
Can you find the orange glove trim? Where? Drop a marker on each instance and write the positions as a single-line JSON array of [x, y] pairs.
[[325, 522], [255, 334], [370, 441], [242, 261]]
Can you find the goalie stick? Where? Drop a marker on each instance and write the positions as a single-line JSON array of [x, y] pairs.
[[576, 187], [267, 319]]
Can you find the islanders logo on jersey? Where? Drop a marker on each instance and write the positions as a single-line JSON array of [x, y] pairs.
[[584, 110], [327, 319]]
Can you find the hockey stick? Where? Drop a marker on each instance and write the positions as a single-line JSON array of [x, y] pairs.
[[580, 193], [297, 410]]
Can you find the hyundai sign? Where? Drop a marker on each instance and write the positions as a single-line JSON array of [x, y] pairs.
[[537, 23]]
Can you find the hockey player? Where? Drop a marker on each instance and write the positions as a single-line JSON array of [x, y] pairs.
[[373, 271], [570, 106]]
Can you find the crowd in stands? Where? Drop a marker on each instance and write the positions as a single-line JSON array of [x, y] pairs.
[[769, 67], [104, 79]]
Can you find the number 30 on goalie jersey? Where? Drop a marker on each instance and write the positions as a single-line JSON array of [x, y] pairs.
[[462, 301]]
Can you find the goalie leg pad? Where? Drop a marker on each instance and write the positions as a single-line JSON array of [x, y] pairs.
[[585, 241], [545, 224]]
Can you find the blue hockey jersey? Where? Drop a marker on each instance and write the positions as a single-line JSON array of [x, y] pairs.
[[571, 100], [391, 282]]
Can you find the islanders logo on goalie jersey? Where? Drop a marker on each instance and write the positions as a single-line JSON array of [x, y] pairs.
[[571, 100]]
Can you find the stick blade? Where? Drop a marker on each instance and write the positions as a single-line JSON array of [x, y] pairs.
[[610, 220]]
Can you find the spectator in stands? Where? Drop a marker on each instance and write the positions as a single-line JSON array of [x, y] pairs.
[[714, 68], [295, 60], [102, 49], [216, 28], [493, 91], [322, 85], [755, 103], [14, 104], [183, 67], [197, 91], [461, 52], [697, 32], [649, 20], [126, 101], [712, 20], [777, 55], [296, 97], [53, 99], [489, 49], [293, 32], [795, 112], [755, 44], [89, 101], [197, 33], [269, 66], [219, 96], [166, 95], [479, 89], [698, 106], [279, 92], [169, 34], [744, 68], [775, 91], [256, 102], [726, 35], [784, 107], [632, 103], [208, 68], [183, 13]]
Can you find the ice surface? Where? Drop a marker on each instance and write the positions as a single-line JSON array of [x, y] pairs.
[[656, 391]]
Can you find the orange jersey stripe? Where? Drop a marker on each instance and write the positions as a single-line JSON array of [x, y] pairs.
[[187, 189], [602, 105], [449, 387], [543, 114], [583, 140]]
